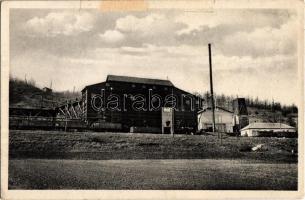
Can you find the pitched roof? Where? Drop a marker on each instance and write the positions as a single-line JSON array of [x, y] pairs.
[[217, 107], [258, 125], [129, 79]]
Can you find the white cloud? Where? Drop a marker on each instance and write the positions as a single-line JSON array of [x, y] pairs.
[[112, 36], [131, 23], [251, 55], [238, 19], [151, 28], [61, 23]]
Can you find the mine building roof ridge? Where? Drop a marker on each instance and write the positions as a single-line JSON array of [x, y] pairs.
[[130, 79]]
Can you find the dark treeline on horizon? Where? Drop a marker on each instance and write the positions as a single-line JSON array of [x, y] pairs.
[[225, 101]]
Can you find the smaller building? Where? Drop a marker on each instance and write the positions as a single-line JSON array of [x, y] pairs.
[[223, 120], [47, 90], [268, 129]]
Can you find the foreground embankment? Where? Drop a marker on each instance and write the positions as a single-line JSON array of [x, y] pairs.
[[105, 146]]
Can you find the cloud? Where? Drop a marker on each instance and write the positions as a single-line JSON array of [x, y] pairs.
[[241, 20], [264, 41], [185, 65], [112, 36], [154, 28], [60, 23], [144, 25], [254, 52], [264, 37]]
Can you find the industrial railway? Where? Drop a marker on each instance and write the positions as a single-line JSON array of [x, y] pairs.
[[64, 124], [67, 117]]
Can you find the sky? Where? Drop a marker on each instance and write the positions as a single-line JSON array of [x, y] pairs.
[[254, 52]]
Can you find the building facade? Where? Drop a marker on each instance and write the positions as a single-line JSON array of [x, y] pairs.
[[137, 104], [223, 120]]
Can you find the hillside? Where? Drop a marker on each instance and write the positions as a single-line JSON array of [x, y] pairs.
[[27, 95]]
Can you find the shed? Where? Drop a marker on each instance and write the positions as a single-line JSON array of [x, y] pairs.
[[268, 129], [47, 90]]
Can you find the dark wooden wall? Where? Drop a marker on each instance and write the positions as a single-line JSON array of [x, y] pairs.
[[184, 115]]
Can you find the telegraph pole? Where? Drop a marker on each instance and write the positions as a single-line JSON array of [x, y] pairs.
[[172, 109], [211, 88]]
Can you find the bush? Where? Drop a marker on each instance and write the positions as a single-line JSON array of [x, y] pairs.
[[245, 148], [148, 144], [96, 139]]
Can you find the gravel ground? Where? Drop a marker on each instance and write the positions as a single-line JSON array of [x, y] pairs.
[[197, 174]]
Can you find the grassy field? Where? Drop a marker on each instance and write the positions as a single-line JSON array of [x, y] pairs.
[[96, 146], [194, 174]]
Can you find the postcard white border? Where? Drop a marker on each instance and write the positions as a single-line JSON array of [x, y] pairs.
[[145, 194]]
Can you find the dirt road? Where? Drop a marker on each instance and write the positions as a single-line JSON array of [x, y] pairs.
[[151, 174]]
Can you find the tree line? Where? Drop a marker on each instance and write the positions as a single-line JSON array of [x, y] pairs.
[[226, 101]]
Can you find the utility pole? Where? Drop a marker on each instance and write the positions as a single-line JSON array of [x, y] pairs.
[[211, 88], [52, 94], [273, 111], [172, 109]]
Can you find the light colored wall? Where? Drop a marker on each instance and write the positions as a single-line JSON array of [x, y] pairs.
[[221, 117], [244, 133], [255, 132], [167, 115]]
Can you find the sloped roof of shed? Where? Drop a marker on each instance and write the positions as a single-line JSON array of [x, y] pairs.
[[217, 107], [259, 125]]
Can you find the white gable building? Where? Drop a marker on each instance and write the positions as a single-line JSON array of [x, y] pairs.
[[258, 129], [223, 119]]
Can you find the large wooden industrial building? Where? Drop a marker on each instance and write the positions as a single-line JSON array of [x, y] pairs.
[[140, 105]]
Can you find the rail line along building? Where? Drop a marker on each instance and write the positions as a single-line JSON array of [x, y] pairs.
[[140, 105]]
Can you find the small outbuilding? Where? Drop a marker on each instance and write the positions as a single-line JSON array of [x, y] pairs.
[[268, 129], [47, 90]]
